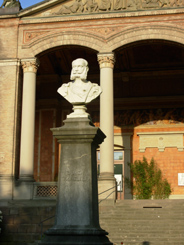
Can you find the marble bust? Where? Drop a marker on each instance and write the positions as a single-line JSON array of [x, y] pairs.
[[79, 90]]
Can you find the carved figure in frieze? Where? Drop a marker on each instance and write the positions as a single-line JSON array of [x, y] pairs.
[[105, 5], [173, 3], [151, 4], [79, 91], [77, 6], [164, 3], [138, 4], [131, 4], [176, 3], [91, 6], [120, 4], [5, 3], [10, 4]]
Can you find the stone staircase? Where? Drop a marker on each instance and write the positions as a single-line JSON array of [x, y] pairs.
[[129, 222], [144, 222]]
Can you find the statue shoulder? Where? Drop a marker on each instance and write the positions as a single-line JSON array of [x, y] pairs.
[[67, 84], [63, 90]]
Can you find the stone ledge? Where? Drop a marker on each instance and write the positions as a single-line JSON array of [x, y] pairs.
[[7, 11]]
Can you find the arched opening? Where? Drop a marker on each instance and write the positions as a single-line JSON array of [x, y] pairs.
[[148, 111], [148, 103], [51, 108]]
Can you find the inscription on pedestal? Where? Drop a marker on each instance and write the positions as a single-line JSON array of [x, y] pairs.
[[77, 176]]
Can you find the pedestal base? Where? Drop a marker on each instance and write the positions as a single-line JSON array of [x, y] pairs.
[[77, 240], [85, 237]]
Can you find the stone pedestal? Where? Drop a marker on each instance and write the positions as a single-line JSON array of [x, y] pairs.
[[77, 217]]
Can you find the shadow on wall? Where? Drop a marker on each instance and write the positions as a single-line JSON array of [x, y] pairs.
[[149, 116], [18, 121], [144, 116], [146, 243]]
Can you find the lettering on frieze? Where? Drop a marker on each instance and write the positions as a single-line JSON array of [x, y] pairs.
[[95, 6]]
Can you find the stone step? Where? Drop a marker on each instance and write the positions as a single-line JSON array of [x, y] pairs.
[[143, 242], [152, 234], [145, 213], [145, 218], [129, 223], [145, 238], [131, 209], [166, 230], [148, 243], [143, 230]]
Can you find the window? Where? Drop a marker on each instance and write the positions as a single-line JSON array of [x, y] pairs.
[[118, 156]]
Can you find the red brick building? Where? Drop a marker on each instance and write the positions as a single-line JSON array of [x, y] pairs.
[[135, 51]]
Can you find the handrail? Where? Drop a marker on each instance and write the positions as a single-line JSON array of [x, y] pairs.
[[1, 218], [106, 197], [41, 223], [110, 193], [107, 190]]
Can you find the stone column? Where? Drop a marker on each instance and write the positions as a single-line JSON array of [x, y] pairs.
[[30, 67], [106, 179]]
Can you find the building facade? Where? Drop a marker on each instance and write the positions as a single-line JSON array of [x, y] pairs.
[[135, 51]]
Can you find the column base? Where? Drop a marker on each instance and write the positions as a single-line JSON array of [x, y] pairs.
[[6, 183], [106, 186], [26, 178], [23, 189]]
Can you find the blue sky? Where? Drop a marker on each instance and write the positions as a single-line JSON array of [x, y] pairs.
[[26, 3]]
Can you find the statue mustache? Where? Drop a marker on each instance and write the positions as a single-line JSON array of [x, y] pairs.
[[82, 76]]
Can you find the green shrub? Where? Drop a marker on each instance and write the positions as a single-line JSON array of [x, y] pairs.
[[148, 181]]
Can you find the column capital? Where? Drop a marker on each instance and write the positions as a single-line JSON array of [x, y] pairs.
[[106, 60], [30, 65]]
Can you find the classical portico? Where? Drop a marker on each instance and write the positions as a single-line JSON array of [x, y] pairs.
[[26, 175], [135, 53]]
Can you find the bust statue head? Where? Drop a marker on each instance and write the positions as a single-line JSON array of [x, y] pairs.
[[79, 69]]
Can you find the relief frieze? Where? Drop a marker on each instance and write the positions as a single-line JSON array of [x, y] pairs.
[[97, 6], [149, 117]]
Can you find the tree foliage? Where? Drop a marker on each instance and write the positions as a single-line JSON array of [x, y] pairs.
[[148, 180]]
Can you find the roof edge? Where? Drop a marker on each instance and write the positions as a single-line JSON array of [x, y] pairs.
[[38, 7]]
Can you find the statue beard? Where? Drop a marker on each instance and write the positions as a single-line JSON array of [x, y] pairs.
[[82, 76]]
